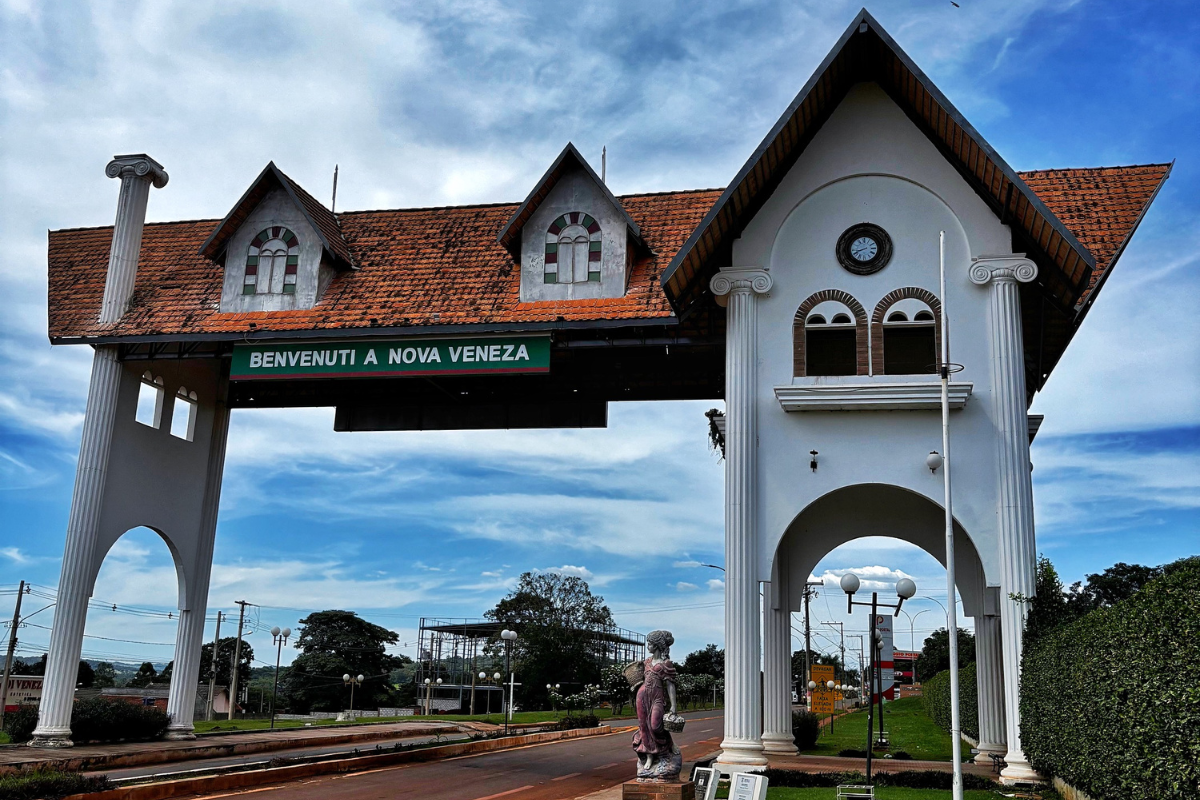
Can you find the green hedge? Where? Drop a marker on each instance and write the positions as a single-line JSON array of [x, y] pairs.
[[806, 729], [1111, 703], [47, 784], [96, 720], [935, 698]]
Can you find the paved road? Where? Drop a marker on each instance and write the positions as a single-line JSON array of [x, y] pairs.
[[182, 769], [552, 771]]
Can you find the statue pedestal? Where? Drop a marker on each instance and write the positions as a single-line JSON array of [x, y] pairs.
[[675, 790]]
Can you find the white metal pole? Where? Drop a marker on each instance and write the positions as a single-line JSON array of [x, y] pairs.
[[951, 612]]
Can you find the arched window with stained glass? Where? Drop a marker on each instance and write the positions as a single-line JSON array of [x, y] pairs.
[[573, 249], [272, 262]]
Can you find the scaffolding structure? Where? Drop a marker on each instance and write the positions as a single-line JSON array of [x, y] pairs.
[[453, 650]]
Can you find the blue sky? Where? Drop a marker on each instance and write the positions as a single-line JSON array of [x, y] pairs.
[[457, 102]]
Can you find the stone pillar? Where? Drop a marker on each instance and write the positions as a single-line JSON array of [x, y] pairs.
[[989, 677], [189, 639], [1015, 514], [777, 664], [738, 289], [136, 172], [75, 577]]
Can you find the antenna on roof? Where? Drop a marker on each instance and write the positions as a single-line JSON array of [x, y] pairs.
[[603, 163], [333, 203]]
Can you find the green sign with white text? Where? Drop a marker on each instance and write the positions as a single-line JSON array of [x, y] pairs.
[[372, 359]]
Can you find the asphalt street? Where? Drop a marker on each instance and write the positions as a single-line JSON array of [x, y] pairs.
[[553, 771]]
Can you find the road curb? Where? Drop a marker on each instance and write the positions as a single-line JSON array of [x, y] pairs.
[[273, 775]]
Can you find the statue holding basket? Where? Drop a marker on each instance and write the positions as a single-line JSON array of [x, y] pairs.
[[653, 680]]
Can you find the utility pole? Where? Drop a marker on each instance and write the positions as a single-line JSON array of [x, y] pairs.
[[12, 647], [842, 647], [237, 654], [808, 593], [212, 663]]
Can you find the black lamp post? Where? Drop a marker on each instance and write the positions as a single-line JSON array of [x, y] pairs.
[[905, 589]]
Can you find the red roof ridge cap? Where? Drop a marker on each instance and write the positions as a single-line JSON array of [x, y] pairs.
[[1167, 164]]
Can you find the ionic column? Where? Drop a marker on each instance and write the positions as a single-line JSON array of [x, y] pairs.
[[75, 577], [738, 288], [1015, 515], [136, 172], [989, 684], [189, 639], [777, 665]]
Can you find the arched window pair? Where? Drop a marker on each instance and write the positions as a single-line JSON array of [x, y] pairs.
[[272, 262], [573, 249], [151, 396], [830, 335]]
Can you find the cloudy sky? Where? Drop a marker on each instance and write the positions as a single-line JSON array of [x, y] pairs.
[[441, 103]]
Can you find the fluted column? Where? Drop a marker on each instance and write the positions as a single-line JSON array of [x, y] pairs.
[[989, 684], [136, 172], [75, 577], [738, 288], [1018, 553], [181, 703], [777, 665]]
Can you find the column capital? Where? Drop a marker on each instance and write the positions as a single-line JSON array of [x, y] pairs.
[[137, 165], [739, 279], [998, 269]]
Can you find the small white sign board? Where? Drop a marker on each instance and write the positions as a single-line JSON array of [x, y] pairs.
[[706, 780], [747, 786]]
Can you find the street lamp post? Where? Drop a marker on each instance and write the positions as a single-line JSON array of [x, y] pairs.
[[905, 589], [912, 621], [279, 639], [352, 682], [509, 637]]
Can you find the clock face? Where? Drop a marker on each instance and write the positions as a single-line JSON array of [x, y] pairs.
[[864, 248]]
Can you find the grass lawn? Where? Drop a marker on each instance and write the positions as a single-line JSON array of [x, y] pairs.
[[881, 793], [907, 725], [4, 738]]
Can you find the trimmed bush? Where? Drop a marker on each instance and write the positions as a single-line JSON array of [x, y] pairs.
[[99, 720], [571, 722], [806, 727], [49, 784], [1111, 702], [19, 724], [935, 699], [911, 779]]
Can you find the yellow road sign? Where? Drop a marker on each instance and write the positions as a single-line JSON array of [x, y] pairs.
[[821, 673], [823, 701]]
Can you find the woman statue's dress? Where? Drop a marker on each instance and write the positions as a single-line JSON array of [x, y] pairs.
[[652, 738]]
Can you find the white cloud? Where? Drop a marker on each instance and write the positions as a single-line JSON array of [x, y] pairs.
[[715, 585], [684, 586], [687, 564], [570, 571], [14, 554]]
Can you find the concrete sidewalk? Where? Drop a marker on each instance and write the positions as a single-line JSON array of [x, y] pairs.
[[98, 757]]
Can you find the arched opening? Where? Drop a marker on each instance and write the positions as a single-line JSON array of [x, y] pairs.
[[905, 336], [831, 340]]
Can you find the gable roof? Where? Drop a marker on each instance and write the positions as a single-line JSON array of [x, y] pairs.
[[865, 52], [569, 158], [323, 221]]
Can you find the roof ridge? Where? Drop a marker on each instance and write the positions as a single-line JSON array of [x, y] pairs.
[[1096, 169]]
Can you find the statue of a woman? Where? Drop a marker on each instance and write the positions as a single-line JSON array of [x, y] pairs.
[[659, 760]]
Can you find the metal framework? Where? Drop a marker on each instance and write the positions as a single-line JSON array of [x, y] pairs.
[[453, 649]]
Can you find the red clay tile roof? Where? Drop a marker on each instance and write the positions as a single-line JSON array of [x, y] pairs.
[[443, 266], [416, 267], [1101, 206]]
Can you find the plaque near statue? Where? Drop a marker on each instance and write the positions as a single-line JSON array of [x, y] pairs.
[[659, 759]]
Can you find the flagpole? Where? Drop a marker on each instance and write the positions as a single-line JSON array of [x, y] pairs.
[[951, 611]]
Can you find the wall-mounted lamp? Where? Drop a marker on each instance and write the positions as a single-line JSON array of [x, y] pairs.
[[813, 463], [933, 460]]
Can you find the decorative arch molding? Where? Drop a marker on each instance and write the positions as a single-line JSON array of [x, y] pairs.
[[880, 313], [860, 330]]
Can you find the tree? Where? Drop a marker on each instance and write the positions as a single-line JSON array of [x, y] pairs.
[[225, 648], [167, 672], [145, 676], [616, 686], [85, 678], [709, 661], [336, 643], [106, 675], [815, 658], [935, 654], [556, 618]]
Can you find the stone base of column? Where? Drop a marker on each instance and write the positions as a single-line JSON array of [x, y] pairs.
[[1018, 770], [53, 737], [987, 750], [181, 733], [741, 755], [674, 790], [780, 743]]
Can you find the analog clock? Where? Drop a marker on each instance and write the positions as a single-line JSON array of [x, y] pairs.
[[864, 248]]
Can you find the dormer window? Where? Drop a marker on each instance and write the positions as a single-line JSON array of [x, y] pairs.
[[574, 249], [272, 262]]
